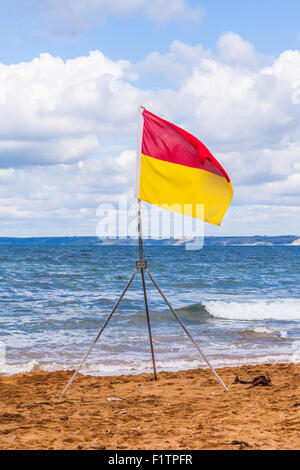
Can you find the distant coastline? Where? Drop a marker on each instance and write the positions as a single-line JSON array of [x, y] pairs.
[[257, 240]]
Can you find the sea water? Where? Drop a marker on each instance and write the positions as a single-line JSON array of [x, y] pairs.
[[241, 304]]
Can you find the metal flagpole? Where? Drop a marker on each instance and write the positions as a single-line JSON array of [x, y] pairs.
[[187, 332], [99, 334], [140, 230], [142, 264]]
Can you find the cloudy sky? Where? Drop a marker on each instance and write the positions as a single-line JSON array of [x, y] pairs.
[[73, 72]]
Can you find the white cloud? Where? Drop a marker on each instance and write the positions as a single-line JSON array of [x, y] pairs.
[[176, 65], [53, 111], [24, 152], [48, 200], [127, 159], [242, 107], [68, 113], [12, 212], [234, 50]]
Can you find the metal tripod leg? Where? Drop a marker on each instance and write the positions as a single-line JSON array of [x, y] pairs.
[[148, 322], [99, 334], [186, 331]]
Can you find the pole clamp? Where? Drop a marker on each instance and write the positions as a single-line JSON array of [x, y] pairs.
[[141, 263]]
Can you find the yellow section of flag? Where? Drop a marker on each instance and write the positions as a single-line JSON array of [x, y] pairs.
[[181, 189]]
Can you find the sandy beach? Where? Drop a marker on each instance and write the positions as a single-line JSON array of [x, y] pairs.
[[182, 410]]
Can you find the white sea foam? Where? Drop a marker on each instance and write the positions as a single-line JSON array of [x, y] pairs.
[[10, 369], [284, 310], [100, 369], [263, 330]]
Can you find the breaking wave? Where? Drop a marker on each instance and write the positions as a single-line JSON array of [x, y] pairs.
[[102, 369], [278, 310]]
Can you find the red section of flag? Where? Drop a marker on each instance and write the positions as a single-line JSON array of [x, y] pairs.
[[166, 141]]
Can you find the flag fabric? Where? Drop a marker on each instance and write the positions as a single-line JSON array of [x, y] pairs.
[[176, 171]]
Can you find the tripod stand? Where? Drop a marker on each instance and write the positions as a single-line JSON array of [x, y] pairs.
[[141, 265]]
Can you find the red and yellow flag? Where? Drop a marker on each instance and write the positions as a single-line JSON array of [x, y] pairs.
[[176, 171]]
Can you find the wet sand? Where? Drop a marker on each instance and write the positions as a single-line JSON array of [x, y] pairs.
[[182, 410]]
